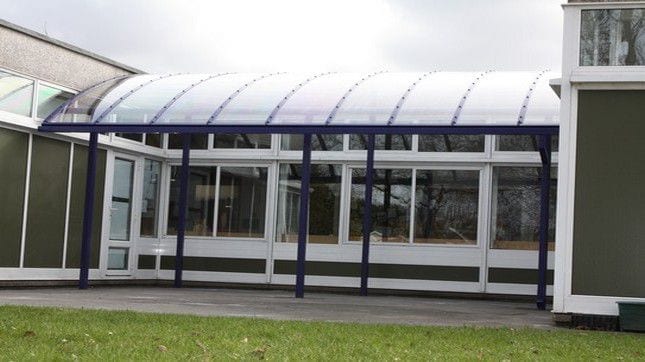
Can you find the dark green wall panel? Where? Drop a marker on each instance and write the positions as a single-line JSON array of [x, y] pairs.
[[517, 276], [47, 203], [13, 163], [609, 216], [76, 207], [146, 262], [230, 265], [390, 271]]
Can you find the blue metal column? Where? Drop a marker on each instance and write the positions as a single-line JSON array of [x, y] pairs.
[[367, 214], [183, 200], [545, 189], [303, 217], [88, 213]]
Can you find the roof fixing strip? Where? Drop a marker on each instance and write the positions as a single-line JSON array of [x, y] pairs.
[[399, 104], [332, 115], [128, 94], [293, 91], [525, 104], [63, 107], [228, 100], [462, 101], [184, 91]]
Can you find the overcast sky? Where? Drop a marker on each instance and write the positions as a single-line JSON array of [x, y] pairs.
[[304, 35]]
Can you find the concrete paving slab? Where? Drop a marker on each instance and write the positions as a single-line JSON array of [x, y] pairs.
[[281, 305]]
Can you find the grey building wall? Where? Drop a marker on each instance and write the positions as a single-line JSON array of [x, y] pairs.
[[34, 54]]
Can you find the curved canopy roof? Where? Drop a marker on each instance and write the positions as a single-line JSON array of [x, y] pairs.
[[154, 103]]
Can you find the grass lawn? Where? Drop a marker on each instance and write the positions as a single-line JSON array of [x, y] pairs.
[[67, 334]]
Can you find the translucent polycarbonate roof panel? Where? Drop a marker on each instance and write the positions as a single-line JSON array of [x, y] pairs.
[[378, 99], [373, 100], [497, 98], [81, 108], [199, 103], [122, 89], [254, 104], [143, 104], [544, 104], [435, 98], [314, 102]]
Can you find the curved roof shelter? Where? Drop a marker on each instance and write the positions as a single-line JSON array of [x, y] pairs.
[[382, 102], [375, 103]]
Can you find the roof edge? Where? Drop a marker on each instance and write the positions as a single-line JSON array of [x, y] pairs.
[[68, 46]]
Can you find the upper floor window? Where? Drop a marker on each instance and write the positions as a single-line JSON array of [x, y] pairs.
[[50, 98], [612, 37], [16, 94]]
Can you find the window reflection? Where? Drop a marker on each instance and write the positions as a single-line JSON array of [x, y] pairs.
[[384, 142], [451, 143], [324, 203], [516, 208], [319, 142], [201, 201], [612, 37], [16, 94], [242, 140], [391, 199], [523, 143], [242, 202], [446, 206], [149, 201]]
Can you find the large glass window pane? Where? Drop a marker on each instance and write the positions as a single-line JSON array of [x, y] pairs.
[[198, 141], [390, 205], [324, 203], [319, 142], [16, 94], [50, 98], [242, 202], [612, 37], [150, 199], [242, 140], [201, 201], [121, 199], [387, 142], [516, 208], [451, 143], [446, 206], [523, 143]]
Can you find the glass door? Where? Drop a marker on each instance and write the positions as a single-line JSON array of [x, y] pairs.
[[121, 211]]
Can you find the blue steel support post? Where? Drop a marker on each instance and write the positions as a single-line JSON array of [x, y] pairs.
[[88, 213], [367, 214], [303, 220], [183, 200], [545, 189]]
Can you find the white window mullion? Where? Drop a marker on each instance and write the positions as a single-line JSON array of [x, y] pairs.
[[412, 204], [67, 205], [25, 202]]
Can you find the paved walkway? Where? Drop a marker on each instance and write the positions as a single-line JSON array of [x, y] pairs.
[[276, 304]]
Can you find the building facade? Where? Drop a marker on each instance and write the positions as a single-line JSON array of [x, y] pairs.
[[452, 213]]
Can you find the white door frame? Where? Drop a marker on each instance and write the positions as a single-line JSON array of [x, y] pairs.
[[135, 221]]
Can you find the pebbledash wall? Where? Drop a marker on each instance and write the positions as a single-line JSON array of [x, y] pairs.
[[42, 188]]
